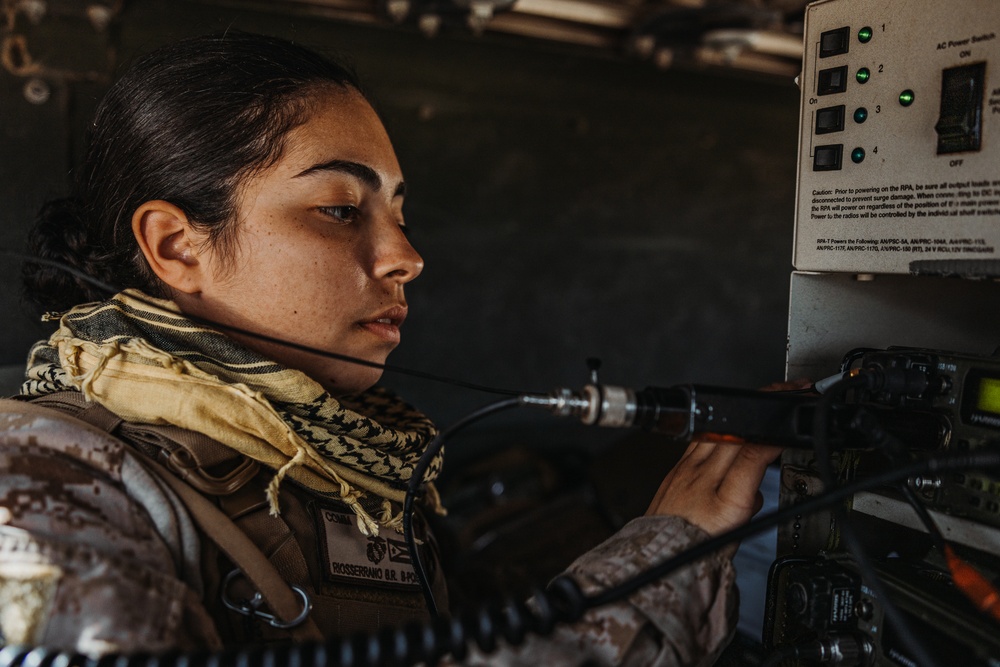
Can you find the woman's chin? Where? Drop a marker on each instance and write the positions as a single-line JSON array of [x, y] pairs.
[[351, 381]]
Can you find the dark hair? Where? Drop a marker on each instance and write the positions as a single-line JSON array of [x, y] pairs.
[[186, 123]]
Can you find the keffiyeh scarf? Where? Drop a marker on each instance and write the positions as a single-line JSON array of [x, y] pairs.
[[144, 360]]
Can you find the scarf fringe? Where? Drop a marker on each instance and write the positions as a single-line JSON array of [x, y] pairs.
[[387, 519], [85, 379], [350, 496]]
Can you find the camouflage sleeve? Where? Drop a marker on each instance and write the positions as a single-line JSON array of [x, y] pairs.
[[685, 619], [84, 565]]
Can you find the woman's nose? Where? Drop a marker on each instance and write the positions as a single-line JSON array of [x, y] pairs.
[[395, 258]]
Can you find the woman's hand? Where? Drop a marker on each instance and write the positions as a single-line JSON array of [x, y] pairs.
[[716, 485]]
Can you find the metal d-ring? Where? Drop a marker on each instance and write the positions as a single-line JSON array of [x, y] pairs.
[[253, 607]]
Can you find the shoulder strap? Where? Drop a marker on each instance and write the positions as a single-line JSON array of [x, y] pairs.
[[255, 566], [188, 454], [73, 403], [275, 591]]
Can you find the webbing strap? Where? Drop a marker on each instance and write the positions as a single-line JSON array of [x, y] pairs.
[[255, 566], [188, 454]]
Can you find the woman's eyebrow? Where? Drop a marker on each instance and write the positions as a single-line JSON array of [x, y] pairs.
[[362, 172]]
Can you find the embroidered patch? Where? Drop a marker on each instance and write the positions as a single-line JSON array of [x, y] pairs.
[[351, 557]]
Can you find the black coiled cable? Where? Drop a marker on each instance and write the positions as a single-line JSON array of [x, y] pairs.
[[511, 621]]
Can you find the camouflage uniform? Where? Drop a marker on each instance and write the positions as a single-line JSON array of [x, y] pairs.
[[97, 556]]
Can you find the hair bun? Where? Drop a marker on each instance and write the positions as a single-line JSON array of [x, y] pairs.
[[60, 235]]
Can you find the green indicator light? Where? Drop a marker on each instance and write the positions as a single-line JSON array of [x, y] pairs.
[[858, 155], [863, 75], [865, 35], [906, 98], [860, 115]]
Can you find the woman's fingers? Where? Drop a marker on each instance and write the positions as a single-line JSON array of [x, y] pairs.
[[746, 470], [715, 485]]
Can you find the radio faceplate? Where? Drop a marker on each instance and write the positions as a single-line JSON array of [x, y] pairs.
[[965, 390]]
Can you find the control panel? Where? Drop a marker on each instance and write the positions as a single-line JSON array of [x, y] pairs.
[[964, 390], [818, 597], [899, 146]]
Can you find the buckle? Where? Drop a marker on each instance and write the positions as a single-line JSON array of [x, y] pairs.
[[184, 466], [252, 607]]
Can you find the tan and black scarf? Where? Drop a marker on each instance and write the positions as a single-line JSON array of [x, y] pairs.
[[144, 360]]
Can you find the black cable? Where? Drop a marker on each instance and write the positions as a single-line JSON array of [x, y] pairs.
[[855, 547], [924, 516], [417, 479], [113, 290], [963, 574]]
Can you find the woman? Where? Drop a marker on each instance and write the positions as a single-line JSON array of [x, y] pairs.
[[237, 184]]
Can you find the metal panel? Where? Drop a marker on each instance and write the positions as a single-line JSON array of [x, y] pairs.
[[904, 178], [830, 314]]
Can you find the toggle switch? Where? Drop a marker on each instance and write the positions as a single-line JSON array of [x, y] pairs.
[[828, 158], [834, 42], [830, 119], [830, 81], [960, 124]]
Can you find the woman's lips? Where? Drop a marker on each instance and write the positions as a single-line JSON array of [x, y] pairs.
[[386, 324]]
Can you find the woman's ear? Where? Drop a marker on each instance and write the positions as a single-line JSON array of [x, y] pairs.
[[172, 247]]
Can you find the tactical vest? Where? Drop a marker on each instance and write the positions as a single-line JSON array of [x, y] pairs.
[[354, 583]]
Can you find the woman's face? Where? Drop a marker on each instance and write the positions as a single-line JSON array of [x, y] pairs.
[[321, 257]]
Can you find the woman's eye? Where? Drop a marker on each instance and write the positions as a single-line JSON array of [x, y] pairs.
[[344, 213]]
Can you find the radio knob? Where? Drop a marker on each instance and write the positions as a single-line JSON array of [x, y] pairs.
[[864, 609]]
